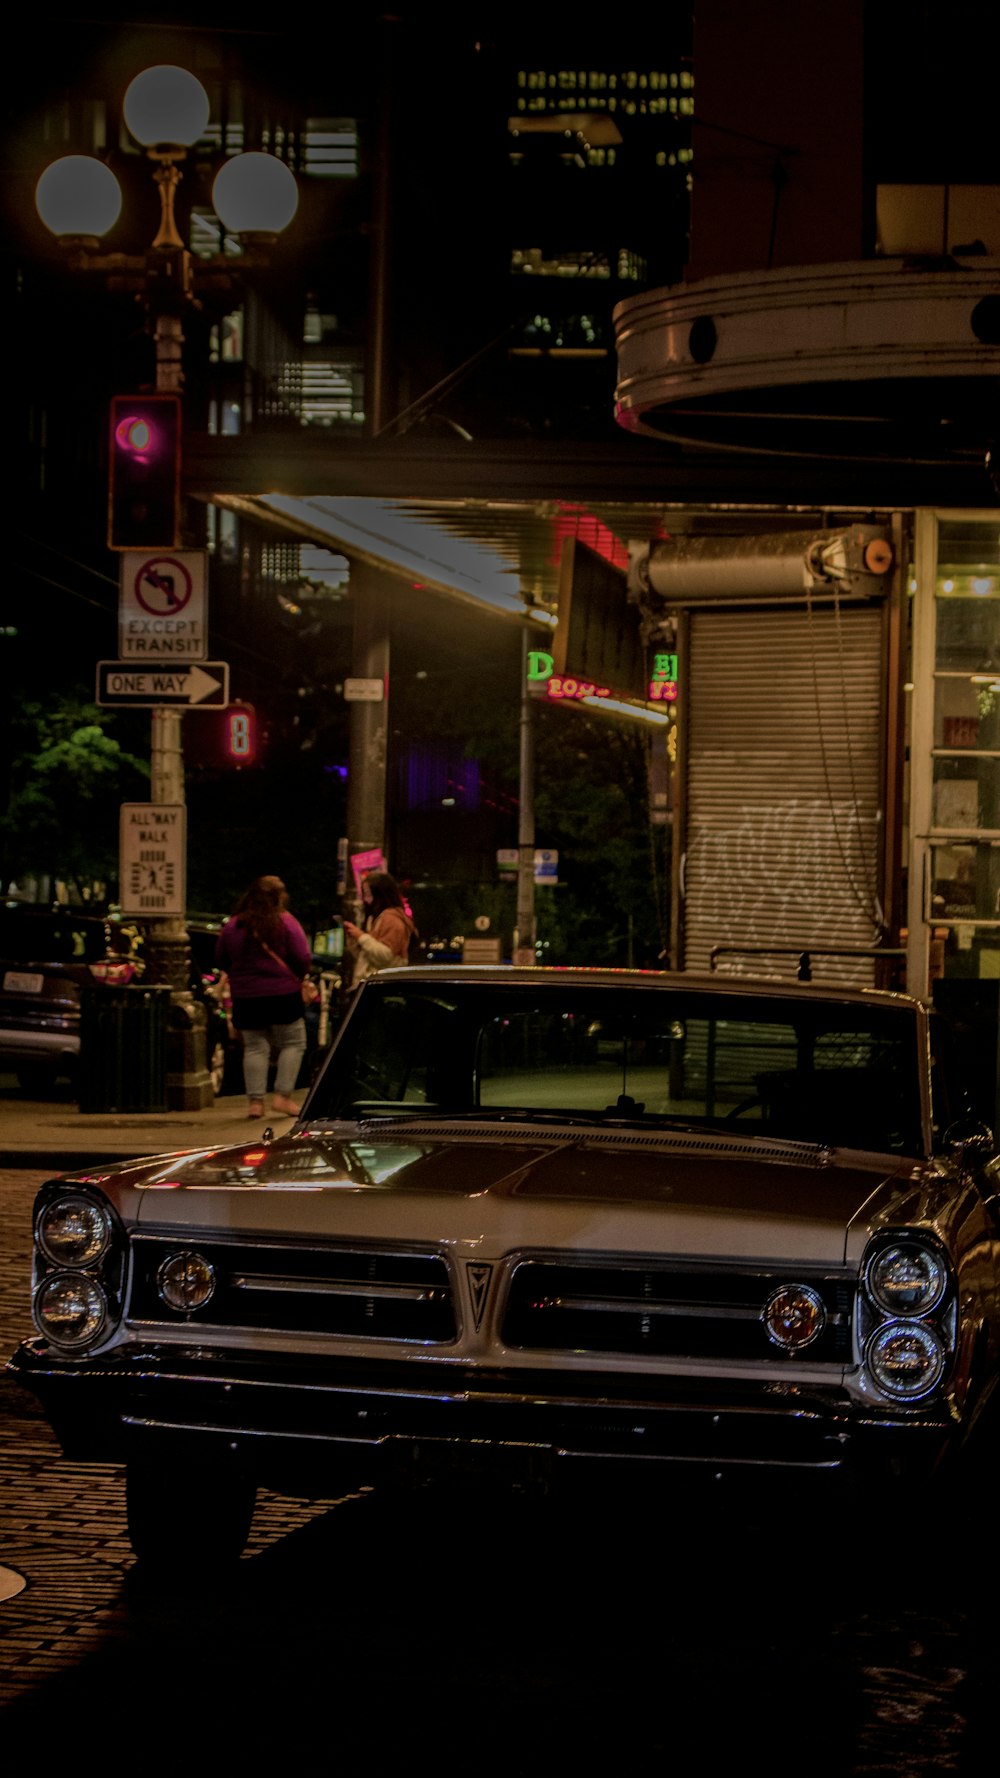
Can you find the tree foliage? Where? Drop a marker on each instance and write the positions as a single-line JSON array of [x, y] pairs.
[[592, 806], [68, 777]]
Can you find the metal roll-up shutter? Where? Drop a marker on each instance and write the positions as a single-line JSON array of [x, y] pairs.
[[783, 794]]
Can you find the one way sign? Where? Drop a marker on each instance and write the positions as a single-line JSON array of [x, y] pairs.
[[203, 685]]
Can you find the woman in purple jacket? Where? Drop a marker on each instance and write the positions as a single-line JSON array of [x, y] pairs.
[[265, 954]]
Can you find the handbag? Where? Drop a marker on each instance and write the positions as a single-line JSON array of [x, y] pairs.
[[307, 987]]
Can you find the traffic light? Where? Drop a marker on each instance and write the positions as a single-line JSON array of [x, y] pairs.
[[240, 734], [144, 472]]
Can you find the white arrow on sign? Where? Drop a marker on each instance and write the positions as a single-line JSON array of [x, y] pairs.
[[120, 683]]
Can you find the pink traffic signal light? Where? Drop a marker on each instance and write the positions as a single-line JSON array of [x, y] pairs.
[[144, 472], [134, 433], [240, 732]]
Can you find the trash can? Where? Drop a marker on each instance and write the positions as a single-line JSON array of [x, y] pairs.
[[123, 1048]]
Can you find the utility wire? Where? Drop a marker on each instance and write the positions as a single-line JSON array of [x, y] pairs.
[[232, 643]]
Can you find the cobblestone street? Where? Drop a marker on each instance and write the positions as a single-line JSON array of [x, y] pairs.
[[62, 1525]]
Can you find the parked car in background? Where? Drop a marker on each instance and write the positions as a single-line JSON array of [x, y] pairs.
[[49, 957], [548, 1229]]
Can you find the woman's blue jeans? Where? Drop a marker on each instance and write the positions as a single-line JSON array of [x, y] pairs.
[[286, 1044]]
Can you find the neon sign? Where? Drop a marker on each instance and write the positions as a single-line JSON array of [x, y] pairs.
[[563, 688], [560, 687], [663, 684]]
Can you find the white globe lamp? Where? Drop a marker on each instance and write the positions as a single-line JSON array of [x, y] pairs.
[[79, 199], [166, 108], [255, 194]]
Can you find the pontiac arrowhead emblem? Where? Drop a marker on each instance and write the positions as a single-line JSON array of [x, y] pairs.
[[479, 1289]]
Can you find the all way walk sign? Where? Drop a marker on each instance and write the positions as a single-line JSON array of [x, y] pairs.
[[204, 684]]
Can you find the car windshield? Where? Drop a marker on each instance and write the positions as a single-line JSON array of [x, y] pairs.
[[810, 1070]]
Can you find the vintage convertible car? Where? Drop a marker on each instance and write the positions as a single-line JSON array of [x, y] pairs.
[[547, 1228]]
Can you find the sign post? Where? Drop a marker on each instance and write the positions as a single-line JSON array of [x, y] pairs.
[[152, 859], [546, 865], [163, 640]]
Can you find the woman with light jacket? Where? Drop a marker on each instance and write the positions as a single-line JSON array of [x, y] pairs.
[[384, 940]]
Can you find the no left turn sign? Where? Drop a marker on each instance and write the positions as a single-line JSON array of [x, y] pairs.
[[163, 586], [161, 606]]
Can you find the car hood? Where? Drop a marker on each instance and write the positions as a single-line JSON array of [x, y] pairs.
[[495, 1190]]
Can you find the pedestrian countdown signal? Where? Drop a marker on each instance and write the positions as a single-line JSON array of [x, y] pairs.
[[240, 734]]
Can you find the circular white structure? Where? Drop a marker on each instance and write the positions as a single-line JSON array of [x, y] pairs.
[[255, 194], [166, 107], [78, 197]]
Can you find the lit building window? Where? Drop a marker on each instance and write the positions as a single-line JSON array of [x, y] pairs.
[[226, 138], [528, 262], [583, 333], [582, 97], [222, 532], [631, 266], [206, 235], [330, 148], [225, 418], [330, 389], [225, 340]]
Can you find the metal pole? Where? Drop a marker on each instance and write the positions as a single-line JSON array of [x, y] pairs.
[[168, 951], [524, 933], [368, 723]]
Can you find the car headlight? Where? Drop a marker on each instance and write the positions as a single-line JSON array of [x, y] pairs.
[[70, 1308], [906, 1278], [186, 1281], [906, 1359], [73, 1231], [794, 1316]]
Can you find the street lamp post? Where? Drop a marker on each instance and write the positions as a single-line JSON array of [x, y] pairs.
[[166, 110], [255, 196]]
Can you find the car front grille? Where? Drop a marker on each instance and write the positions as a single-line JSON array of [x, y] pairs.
[[655, 1310], [359, 1292], [664, 1311]]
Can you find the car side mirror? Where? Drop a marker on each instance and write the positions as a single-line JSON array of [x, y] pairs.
[[969, 1140]]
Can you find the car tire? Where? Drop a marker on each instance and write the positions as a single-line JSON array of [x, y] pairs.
[[190, 1516], [37, 1080]]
